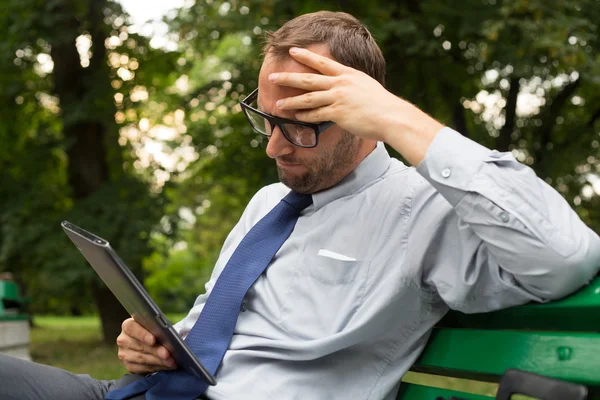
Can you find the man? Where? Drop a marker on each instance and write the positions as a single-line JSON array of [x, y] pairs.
[[348, 301]]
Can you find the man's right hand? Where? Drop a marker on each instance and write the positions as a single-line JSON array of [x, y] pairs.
[[139, 351]]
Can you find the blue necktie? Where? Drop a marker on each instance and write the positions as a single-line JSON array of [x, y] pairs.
[[212, 333]]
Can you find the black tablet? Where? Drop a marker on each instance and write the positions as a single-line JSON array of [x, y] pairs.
[[136, 300]]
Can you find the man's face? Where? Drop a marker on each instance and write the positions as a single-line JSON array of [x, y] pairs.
[[301, 169]]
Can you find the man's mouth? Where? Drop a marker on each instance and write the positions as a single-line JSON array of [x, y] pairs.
[[287, 163]]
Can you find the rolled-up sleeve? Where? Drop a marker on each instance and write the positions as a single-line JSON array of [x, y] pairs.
[[524, 228]]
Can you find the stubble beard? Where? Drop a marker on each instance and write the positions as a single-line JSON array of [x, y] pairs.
[[331, 167]]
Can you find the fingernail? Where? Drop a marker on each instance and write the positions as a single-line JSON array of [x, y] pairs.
[[299, 115], [273, 77], [295, 50], [279, 103]]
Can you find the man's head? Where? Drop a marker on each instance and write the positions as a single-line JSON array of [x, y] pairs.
[[338, 36], [345, 37]]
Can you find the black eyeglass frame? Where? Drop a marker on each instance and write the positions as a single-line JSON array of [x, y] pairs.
[[279, 122]]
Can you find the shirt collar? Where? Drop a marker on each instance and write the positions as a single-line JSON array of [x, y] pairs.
[[371, 167]]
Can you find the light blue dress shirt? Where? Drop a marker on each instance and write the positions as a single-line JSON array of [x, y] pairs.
[[348, 302]]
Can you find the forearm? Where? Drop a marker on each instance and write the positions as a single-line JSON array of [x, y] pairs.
[[408, 130]]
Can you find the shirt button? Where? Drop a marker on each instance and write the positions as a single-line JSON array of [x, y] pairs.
[[243, 307], [504, 216], [446, 172]]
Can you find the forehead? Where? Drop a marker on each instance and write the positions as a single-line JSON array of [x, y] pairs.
[[288, 64], [269, 92], [272, 64]]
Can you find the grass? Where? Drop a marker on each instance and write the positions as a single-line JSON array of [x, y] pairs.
[[75, 344]]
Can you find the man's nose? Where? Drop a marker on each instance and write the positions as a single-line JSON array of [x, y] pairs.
[[278, 145]]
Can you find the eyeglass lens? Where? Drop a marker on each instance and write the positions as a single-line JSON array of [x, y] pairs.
[[298, 134]]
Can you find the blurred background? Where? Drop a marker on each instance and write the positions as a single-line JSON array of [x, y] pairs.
[[123, 117]]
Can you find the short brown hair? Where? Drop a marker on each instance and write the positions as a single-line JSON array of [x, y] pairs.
[[349, 41]]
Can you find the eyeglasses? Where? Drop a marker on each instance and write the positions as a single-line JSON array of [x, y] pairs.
[[302, 134]]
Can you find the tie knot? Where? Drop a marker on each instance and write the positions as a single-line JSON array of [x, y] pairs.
[[297, 200]]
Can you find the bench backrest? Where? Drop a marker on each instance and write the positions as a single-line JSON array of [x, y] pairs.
[[560, 339]]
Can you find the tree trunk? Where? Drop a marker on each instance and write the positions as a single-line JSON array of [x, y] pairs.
[[112, 314], [458, 116], [86, 127], [504, 139], [548, 116]]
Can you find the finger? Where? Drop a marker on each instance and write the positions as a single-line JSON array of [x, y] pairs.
[[301, 80], [306, 101], [126, 342], [144, 369], [315, 115], [324, 65], [136, 331], [133, 368], [160, 352], [151, 360]]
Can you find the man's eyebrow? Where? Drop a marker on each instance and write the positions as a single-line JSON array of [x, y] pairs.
[[259, 108]]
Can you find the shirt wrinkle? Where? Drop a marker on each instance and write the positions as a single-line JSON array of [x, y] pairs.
[[425, 241]]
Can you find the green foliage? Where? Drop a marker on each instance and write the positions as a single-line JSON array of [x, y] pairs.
[[439, 56], [176, 280], [464, 63], [37, 190]]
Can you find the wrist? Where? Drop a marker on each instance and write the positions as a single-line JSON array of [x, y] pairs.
[[410, 131]]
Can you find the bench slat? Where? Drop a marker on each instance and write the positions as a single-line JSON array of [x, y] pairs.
[[578, 312], [412, 391], [486, 354]]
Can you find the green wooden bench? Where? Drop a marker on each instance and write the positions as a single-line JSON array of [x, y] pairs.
[[560, 339]]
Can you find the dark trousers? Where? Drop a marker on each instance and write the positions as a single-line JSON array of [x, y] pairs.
[[26, 380]]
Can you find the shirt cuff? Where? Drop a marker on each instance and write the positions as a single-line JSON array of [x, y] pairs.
[[450, 163]]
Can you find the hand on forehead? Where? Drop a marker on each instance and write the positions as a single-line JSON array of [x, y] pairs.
[[288, 62], [309, 69], [273, 65], [300, 72]]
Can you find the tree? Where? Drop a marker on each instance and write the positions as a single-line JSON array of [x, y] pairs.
[[519, 76], [63, 95], [474, 66]]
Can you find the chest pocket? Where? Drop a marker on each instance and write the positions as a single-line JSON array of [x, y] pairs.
[[322, 296]]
